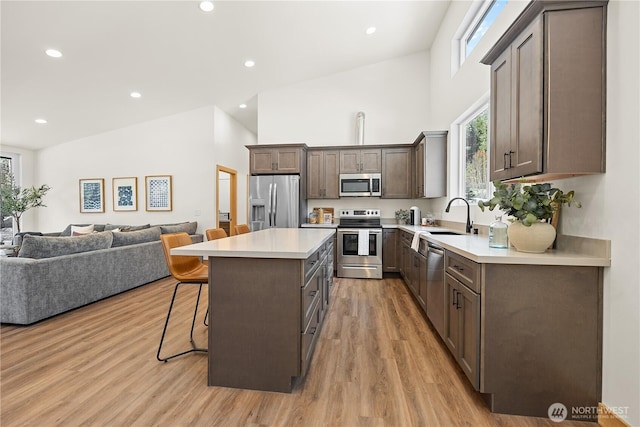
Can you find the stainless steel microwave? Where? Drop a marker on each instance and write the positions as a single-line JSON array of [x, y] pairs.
[[360, 185]]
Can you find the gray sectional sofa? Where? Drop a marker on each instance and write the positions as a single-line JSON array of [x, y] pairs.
[[54, 273]]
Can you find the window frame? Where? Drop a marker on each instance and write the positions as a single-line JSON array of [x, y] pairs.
[[469, 25], [457, 164]]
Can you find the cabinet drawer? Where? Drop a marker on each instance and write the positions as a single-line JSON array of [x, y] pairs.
[[463, 269], [310, 336], [309, 294], [311, 263], [406, 238]]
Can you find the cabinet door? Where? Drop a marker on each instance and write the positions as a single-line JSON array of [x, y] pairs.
[[262, 161], [331, 175], [419, 174], [451, 317], [397, 173], [389, 250], [371, 160], [469, 336], [516, 106], [287, 160], [315, 174], [526, 99], [349, 161], [500, 116]]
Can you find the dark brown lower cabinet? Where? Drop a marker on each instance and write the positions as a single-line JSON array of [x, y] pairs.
[[525, 335], [266, 316], [462, 327], [390, 250]]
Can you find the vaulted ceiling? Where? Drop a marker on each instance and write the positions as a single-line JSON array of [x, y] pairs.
[[180, 58]]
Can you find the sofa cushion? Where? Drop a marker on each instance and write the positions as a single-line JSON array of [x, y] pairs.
[[48, 247], [134, 237], [113, 227], [67, 231], [184, 227]]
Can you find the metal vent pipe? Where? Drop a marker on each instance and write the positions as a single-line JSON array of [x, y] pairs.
[[360, 128]]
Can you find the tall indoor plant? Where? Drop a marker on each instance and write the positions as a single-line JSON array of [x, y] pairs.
[[532, 207], [15, 201]]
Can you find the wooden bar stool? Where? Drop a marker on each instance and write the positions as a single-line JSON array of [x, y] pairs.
[[213, 234], [242, 228], [187, 270]]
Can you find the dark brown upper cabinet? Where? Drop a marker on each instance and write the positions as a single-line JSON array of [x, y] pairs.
[[323, 176], [548, 93], [276, 159], [356, 160]]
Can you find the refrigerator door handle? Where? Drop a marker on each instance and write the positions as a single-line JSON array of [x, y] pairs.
[[270, 207], [275, 204]]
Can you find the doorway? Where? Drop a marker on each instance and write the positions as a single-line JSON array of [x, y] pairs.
[[226, 198]]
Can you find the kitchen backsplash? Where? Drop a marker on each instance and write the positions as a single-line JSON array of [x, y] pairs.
[[388, 207]]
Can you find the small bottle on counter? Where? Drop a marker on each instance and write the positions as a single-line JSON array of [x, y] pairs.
[[498, 234]]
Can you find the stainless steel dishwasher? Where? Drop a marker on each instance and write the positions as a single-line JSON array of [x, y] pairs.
[[435, 286]]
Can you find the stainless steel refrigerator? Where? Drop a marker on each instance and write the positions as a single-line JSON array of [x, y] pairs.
[[275, 201]]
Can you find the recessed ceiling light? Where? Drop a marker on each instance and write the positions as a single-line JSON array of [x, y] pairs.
[[53, 53], [370, 30], [206, 6], [249, 63], [135, 94], [242, 105], [41, 121]]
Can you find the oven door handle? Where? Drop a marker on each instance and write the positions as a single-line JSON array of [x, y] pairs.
[[355, 230]]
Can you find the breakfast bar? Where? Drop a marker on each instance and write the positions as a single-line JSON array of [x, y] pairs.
[[268, 294]]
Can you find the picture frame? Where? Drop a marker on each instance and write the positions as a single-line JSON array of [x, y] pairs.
[[91, 195], [158, 193], [125, 193]]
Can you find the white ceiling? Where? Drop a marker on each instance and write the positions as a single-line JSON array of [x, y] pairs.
[[180, 58]]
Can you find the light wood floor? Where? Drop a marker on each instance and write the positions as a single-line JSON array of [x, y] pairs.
[[377, 363]]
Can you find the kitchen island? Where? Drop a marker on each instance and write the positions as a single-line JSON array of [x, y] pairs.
[[268, 294]]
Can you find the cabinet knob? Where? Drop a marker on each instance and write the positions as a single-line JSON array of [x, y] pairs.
[[313, 293]]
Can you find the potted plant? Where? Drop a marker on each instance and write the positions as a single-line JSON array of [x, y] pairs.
[[15, 201], [402, 216], [531, 208]]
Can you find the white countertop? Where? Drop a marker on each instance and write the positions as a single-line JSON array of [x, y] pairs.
[[289, 243], [308, 225], [476, 248]]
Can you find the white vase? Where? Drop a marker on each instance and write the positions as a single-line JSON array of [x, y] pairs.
[[533, 239]]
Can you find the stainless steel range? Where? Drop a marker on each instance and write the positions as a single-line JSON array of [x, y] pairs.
[[360, 244]]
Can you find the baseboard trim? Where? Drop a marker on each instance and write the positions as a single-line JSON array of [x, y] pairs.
[[608, 418]]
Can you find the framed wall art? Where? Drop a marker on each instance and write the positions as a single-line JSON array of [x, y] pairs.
[[158, 192], [125, 194], [92, 195]]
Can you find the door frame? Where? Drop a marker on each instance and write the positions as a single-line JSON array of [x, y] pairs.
[[233, 197]]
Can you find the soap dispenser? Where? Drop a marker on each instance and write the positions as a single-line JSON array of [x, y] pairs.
[[498, 234]]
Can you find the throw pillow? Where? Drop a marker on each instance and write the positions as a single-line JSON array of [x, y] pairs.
[[67, 231], [186, 227], [81, 231], [134, 237], [48, 247]]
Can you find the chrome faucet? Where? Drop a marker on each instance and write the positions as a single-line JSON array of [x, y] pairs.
[[468, 213]]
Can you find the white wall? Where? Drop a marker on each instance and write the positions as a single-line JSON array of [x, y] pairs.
[[610, 201], [187, 146], [393, 95]]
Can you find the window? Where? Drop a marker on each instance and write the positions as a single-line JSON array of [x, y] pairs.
[[474, 145], [477, 31], [475, 24]]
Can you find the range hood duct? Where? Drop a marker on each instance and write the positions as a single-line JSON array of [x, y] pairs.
[[360, 128]]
